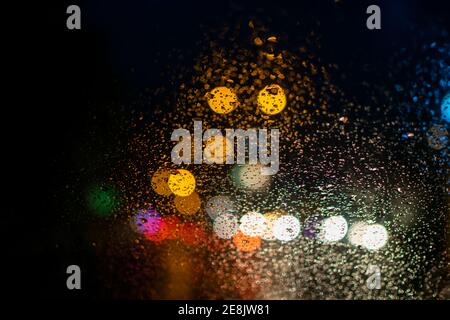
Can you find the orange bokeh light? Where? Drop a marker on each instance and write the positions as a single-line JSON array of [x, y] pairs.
[[246, 243]]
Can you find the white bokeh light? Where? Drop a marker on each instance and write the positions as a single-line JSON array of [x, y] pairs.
[[286, 228], [356, 233], [333, 229], [249, 177], [271, 217], [253, 224], [374, 237], [225, 226], [219, 205]]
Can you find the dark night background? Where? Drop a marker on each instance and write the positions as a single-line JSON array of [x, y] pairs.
[[112, 58]]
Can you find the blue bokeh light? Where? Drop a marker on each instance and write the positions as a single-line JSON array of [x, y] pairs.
[[445, 108]]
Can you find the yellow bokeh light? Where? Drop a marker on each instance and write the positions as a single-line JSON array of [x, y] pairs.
[[217, 149], [272, 99], [222, 100], [188, 205], [181, 182], [159, 182]]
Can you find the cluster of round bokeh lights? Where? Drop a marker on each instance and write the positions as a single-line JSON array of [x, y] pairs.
[[294, 93], [271, 100], [249, 230], [276, 225]]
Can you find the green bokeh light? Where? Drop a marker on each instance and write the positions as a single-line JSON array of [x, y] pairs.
[[102, 200]]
